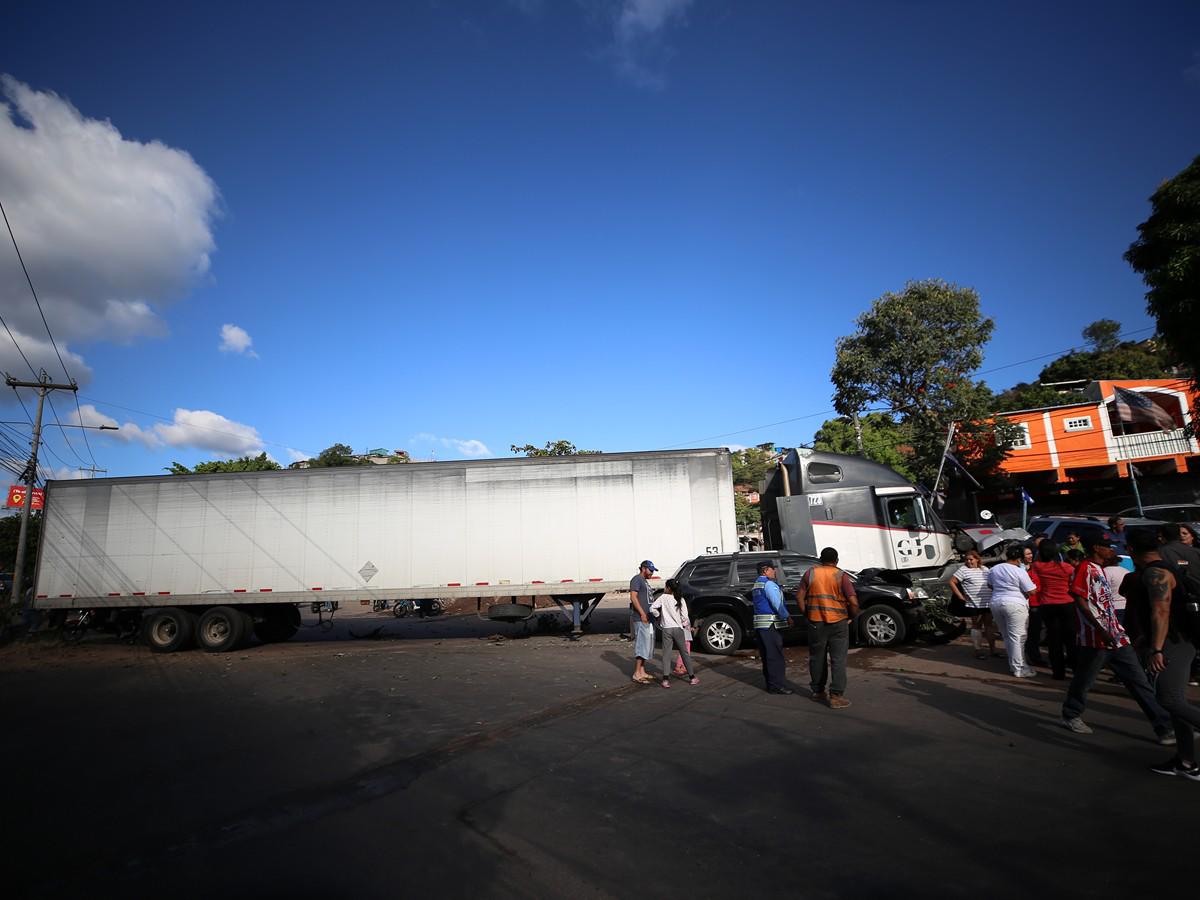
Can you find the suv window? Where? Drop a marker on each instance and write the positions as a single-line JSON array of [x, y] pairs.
[[1036, 528], [747, 570], [711, 573], [794, 569]]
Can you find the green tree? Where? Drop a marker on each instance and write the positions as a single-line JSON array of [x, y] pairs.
[[552, 448], [751, 464], [336, 455], [1131, 359], [746, 513], [1103, 334], [884, 440], [10, 526], [260, 463], [1034, 396], [1167, 256], [914, 352]]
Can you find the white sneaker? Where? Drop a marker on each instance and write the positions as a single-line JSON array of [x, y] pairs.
[[1077, 725], [1027, 673]]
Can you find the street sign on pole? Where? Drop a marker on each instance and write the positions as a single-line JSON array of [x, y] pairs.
[[16, 497]]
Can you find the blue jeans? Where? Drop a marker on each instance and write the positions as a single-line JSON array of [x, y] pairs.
[[1126, 666]]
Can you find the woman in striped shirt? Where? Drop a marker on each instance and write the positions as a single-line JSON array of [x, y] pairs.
[[973, 595]]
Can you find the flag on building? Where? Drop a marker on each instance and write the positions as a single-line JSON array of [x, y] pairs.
[[1137, 407]]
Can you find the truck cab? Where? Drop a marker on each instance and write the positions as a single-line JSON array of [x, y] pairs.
[[873, 516]]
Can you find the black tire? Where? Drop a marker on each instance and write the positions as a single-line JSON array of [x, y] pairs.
[[882, 626], [221, 629], [279, 624], [168, 630], [720, 634]]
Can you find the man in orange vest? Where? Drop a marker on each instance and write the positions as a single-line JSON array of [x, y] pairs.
[[826, 598]]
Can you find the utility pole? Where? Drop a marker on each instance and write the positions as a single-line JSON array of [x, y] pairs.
[[43, 386], [92, 470]]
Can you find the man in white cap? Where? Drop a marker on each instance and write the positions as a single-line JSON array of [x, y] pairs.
[[640, 626]]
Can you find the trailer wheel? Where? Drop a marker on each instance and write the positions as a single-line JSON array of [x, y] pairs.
[[221, 629], [279, 624], [881, 626], [720, 634], [168, 630]]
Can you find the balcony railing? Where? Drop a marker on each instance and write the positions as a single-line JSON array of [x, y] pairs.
[[1152, 443]]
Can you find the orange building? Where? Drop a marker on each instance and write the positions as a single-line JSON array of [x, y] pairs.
[[1085, 441]]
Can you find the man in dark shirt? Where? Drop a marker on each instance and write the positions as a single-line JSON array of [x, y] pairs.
[[1158, 602], [641, 629]]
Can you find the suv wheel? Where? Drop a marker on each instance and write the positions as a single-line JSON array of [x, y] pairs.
[[881, 626], [721, 634]]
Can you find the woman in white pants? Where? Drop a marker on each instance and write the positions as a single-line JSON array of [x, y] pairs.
[[1011, 587]]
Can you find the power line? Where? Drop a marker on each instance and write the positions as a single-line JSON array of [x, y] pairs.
[[63, 432], [1060, 353], [33, 290], [142, 412], [53, 342]]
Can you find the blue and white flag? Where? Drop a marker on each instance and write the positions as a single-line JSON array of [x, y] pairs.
[[1025, 498]]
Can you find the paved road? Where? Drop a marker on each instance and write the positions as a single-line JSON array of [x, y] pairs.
[[433, 757]]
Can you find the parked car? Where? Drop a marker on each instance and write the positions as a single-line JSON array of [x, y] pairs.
[[1185, 513], [718, 592], [1091, 529]]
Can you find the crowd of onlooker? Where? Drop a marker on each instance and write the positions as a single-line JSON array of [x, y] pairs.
[[1131, 605]]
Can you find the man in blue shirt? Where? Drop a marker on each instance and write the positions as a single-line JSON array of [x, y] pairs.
[[770, 614]]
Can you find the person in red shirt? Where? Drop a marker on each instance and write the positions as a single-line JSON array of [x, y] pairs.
[[1056, 606]]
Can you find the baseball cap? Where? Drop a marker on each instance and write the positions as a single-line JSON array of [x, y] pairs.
[[646, 564]]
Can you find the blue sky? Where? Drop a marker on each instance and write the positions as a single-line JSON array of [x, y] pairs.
[[450, 227]]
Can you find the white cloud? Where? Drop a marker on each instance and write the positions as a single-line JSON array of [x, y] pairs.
[[639, 52], [208, 430], [198, 428], [108, 226], [236, 340], [298, 455], [736, 448], [62, 473], [464, 447], [40, 354]]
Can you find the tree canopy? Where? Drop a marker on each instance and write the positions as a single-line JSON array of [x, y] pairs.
[[751, 464], [914, 353], [552, 448], [1131, 359], [336, 455], [1103, 334], [1034, 396], [1167, 256], [884, 440], [260, 463]]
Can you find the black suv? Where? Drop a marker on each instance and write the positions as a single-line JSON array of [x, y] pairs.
[[718, 587]]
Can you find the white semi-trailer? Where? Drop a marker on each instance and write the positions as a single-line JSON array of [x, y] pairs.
[[211, 557]]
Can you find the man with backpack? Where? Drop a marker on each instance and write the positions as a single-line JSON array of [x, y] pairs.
[[1166, 616]]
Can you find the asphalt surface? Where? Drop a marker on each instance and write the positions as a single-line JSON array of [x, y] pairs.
[[453, 757]]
